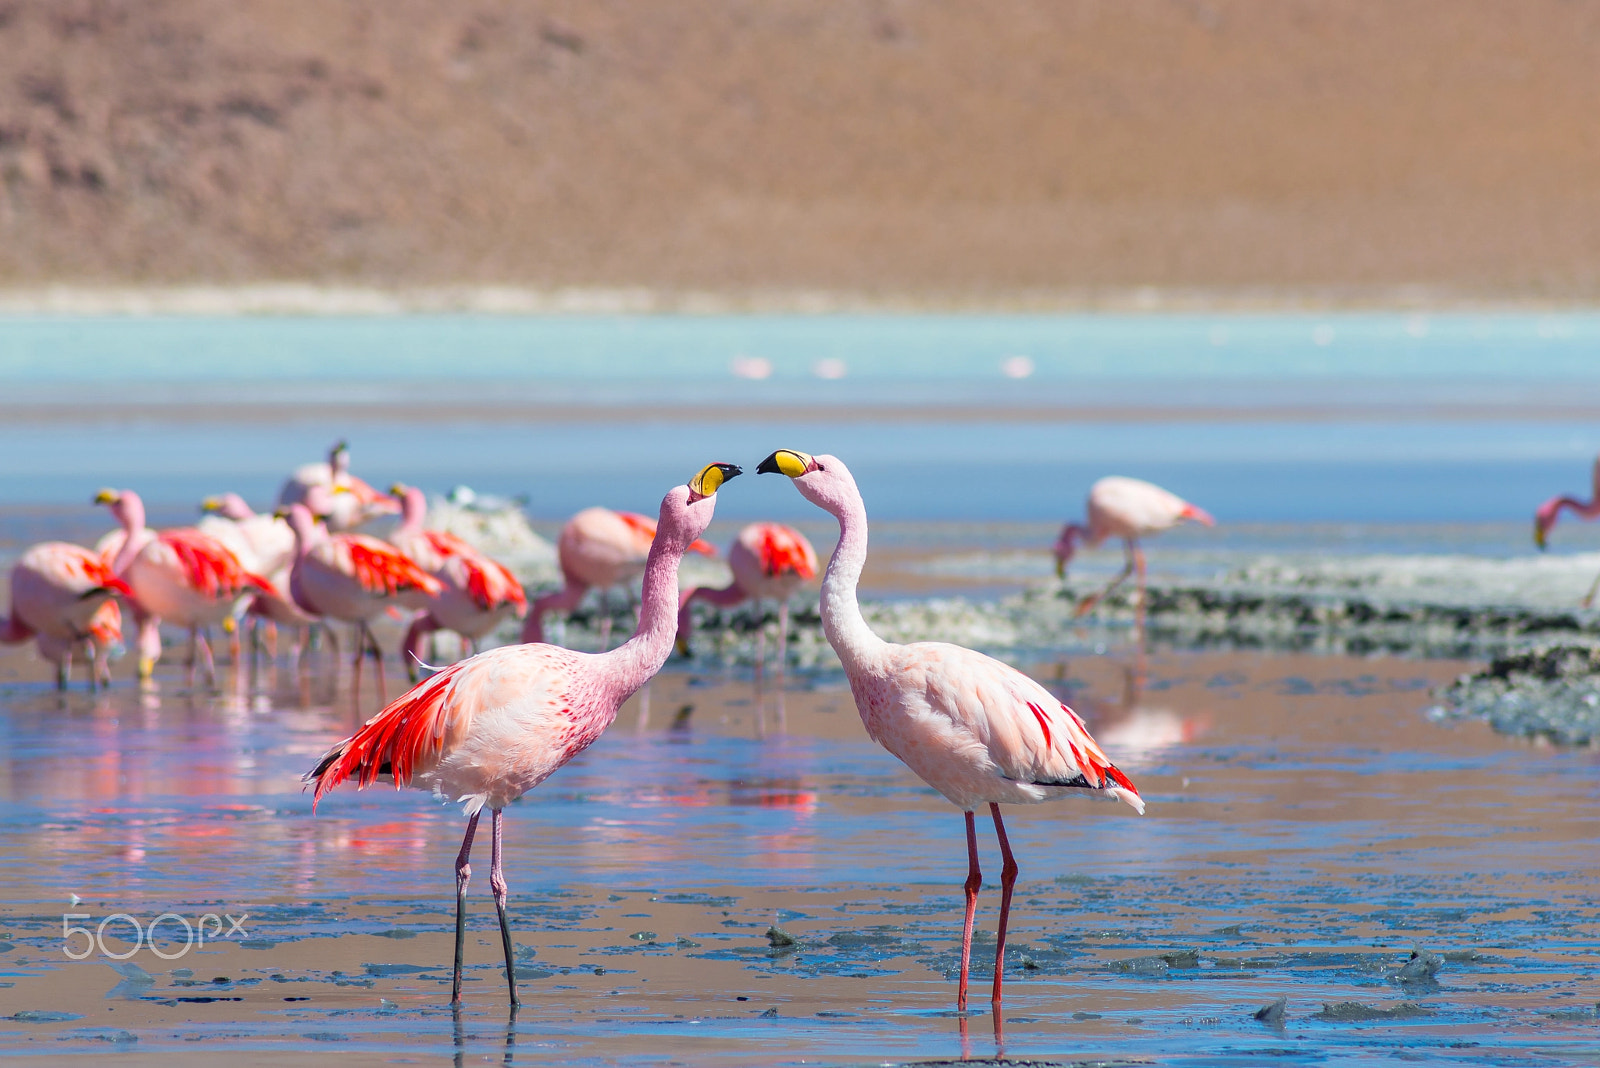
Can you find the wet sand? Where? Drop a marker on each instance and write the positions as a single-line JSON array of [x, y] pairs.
[[1308, 828]]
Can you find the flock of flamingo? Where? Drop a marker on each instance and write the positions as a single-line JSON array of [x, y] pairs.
[[486, 729]]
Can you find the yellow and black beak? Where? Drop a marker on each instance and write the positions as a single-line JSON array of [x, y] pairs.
[[398, 489], [787, 462], [1539, 535], [710, 479], [211, 504], [107, 496], [1061, 568]]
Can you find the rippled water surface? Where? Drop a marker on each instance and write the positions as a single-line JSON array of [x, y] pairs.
[[1307, 830]]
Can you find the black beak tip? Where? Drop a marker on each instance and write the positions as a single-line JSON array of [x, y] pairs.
[[769, 466], [730, 471]]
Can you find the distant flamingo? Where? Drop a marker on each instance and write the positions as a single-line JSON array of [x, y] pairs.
[[1130, 509], [479, 593], [486, 730], [1550, 511], [264, 544], [61, 596], [352, 578], [769, 561], [976, 730], [598, 549], [354, 504], [179, 575]]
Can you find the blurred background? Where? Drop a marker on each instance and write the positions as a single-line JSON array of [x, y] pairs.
[[1302, 262]]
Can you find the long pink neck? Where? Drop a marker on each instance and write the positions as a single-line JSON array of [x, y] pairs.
[[731, 594], [846, 630], [1583, 509], [413, 510], [129, 511], [630, 665]]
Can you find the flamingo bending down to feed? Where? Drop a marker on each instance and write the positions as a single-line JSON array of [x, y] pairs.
[[1130, 509], [598, 549], [478, 592], [352, 578], [1550, 511], [768, 560], [354, 501], [486, 730], [264, 544], [62, 597], [976, 730], [179, 575]]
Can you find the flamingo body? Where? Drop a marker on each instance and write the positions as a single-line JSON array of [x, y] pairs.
[[354, 503], [1130, 509], [477, 592], [352, 577], [61, 596]]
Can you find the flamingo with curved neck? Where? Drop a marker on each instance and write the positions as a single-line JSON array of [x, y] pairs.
[[486, 730], [61, 597], [975, 729], [1130, 509], [1548, 512]]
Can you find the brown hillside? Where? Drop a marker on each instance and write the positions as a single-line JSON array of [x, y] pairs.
[[975, 150]]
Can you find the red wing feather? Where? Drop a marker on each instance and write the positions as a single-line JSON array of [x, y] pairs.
[[783, 553], [407, 733], [211, 568], [381, 568], [488, 582]]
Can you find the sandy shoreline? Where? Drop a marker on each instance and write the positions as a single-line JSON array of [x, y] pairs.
[[311, 298]]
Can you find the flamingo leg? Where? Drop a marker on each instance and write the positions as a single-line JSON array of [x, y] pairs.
[[761, 645], [497, 883], [377, 656], [974, 881], [783, 661], [1008, 880], [411, 645], [463, 877], [203, 645], [1138, 560], [605, 619], [355, 663], [1122, 576], [1588, 598], [64, 670]]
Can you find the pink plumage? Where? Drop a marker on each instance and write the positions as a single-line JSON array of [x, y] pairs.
[[1548, 512], [487, 729], [61, 597], [973, 728], [477, 592], [1130, 509], [768, 560]]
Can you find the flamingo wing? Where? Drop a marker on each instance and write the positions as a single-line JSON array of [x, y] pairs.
[[209, 565], [783, 551], [644, 529], [1031, 736], [381, 568], [488, 582], [84, 567]]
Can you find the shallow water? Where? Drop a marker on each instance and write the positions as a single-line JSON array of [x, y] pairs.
[[1308, 827]]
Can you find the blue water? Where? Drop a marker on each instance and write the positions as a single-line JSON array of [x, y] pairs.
[[1269, 418]]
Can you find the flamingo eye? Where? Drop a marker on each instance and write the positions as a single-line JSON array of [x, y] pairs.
[[819, 466]]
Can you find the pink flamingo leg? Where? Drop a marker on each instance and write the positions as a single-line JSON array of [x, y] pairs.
[[563, 600], [605, 620], [411, 646], [64, 671], [783, 661], [1008, 879], [360, 645], [203, 643], [377, 656], [1588, 598], [1138, 618], [463, 877], [974, 881], [1122, 576], [497, 883]]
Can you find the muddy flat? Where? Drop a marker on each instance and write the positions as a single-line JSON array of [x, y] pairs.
[[739, 880]]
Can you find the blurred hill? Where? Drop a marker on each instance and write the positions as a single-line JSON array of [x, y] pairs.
[[1021, 150]]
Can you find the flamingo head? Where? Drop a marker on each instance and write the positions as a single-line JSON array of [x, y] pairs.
[[125, 505], [228, 506], [339, 459], [1065, 546], [686, 511], [1543, 520], [413, 504], [823, 480]]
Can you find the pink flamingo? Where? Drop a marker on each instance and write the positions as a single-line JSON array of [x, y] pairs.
[[1130, 509], [599, 549], [354, 504], [179, 575], [1550, 511], [976, 730], [352, 577], [486, 730], [61, 596], [264, 544], [768, 560], [478, 595]]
